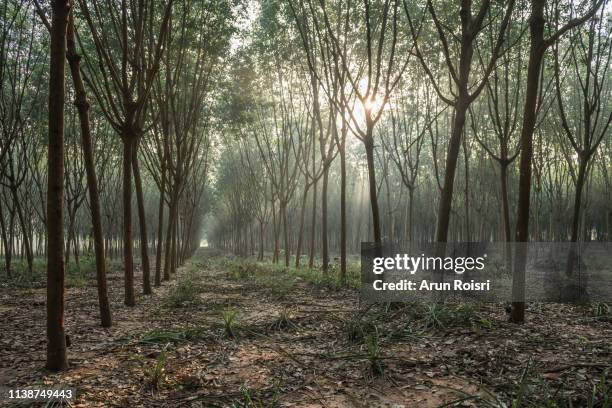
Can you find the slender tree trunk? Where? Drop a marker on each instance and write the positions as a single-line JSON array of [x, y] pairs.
[[536, 55], [410, 215], [369, 147], [313, 226], [144, 244], [160, 227], [285, 233], [506, 215], [56, 337], [580, 181], [175, 235], [169, 233], [6, 244], [298, 250], [324, 243], [276, 223], [27, 246], [505, 203], [446, 198], [128, 146], [343, 208], [260, 257], [69, 240]]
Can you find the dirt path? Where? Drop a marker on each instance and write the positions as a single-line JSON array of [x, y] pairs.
[[329, 354]]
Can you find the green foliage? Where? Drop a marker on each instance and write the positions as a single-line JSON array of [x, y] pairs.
[[357, 330], [76, 275], [440, 316], [160, 336], [163, 336], [373, 349], [155, 375], [230, 323], [186, 291], [532, 391], [278, 277]]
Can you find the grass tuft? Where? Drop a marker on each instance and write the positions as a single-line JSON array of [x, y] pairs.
[[230, 323], [186, 291], [283, 322]]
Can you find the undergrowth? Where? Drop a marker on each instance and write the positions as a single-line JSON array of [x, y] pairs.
[[532, 391], [186, 291]]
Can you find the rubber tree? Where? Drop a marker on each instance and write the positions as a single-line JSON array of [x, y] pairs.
[[580, 100], [537, 49], [56, 337], [128, 44], [461, 78]]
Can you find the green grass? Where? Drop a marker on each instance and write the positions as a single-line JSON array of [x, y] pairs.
[[187, 290], [532, 391], [372, 342], [280, 279], [162, 336], [75, 275], [230, 323], [156, 375]]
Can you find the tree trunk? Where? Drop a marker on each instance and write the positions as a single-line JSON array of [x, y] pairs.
[[144, 244], [506, 215], [56, 336], [128, 146], [160, 227], [505, 203], [285, 233], [260, 256], [446, 197], [298, 250], [343, 208], [313, 226], [276, 229], [324, 243], [369, 147], [6, 244], [169, 233], [580, 181], [27, 246], [536, 54]]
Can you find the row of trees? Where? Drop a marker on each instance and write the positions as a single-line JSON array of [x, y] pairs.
[[320, 125], [140, 76], [466, 116]]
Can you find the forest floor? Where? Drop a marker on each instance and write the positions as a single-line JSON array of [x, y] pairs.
[[229, 333]]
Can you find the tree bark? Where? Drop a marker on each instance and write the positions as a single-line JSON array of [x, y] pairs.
[[343, 208], [285, 233], [446, 197], [536, 55], [27, 245], [580, 181], [56, 336], [169, 233], [128, 260], [324, 243], [82, 106], [298, 250], [313, 226], [160, 227], [369, 147], [144, 243]]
